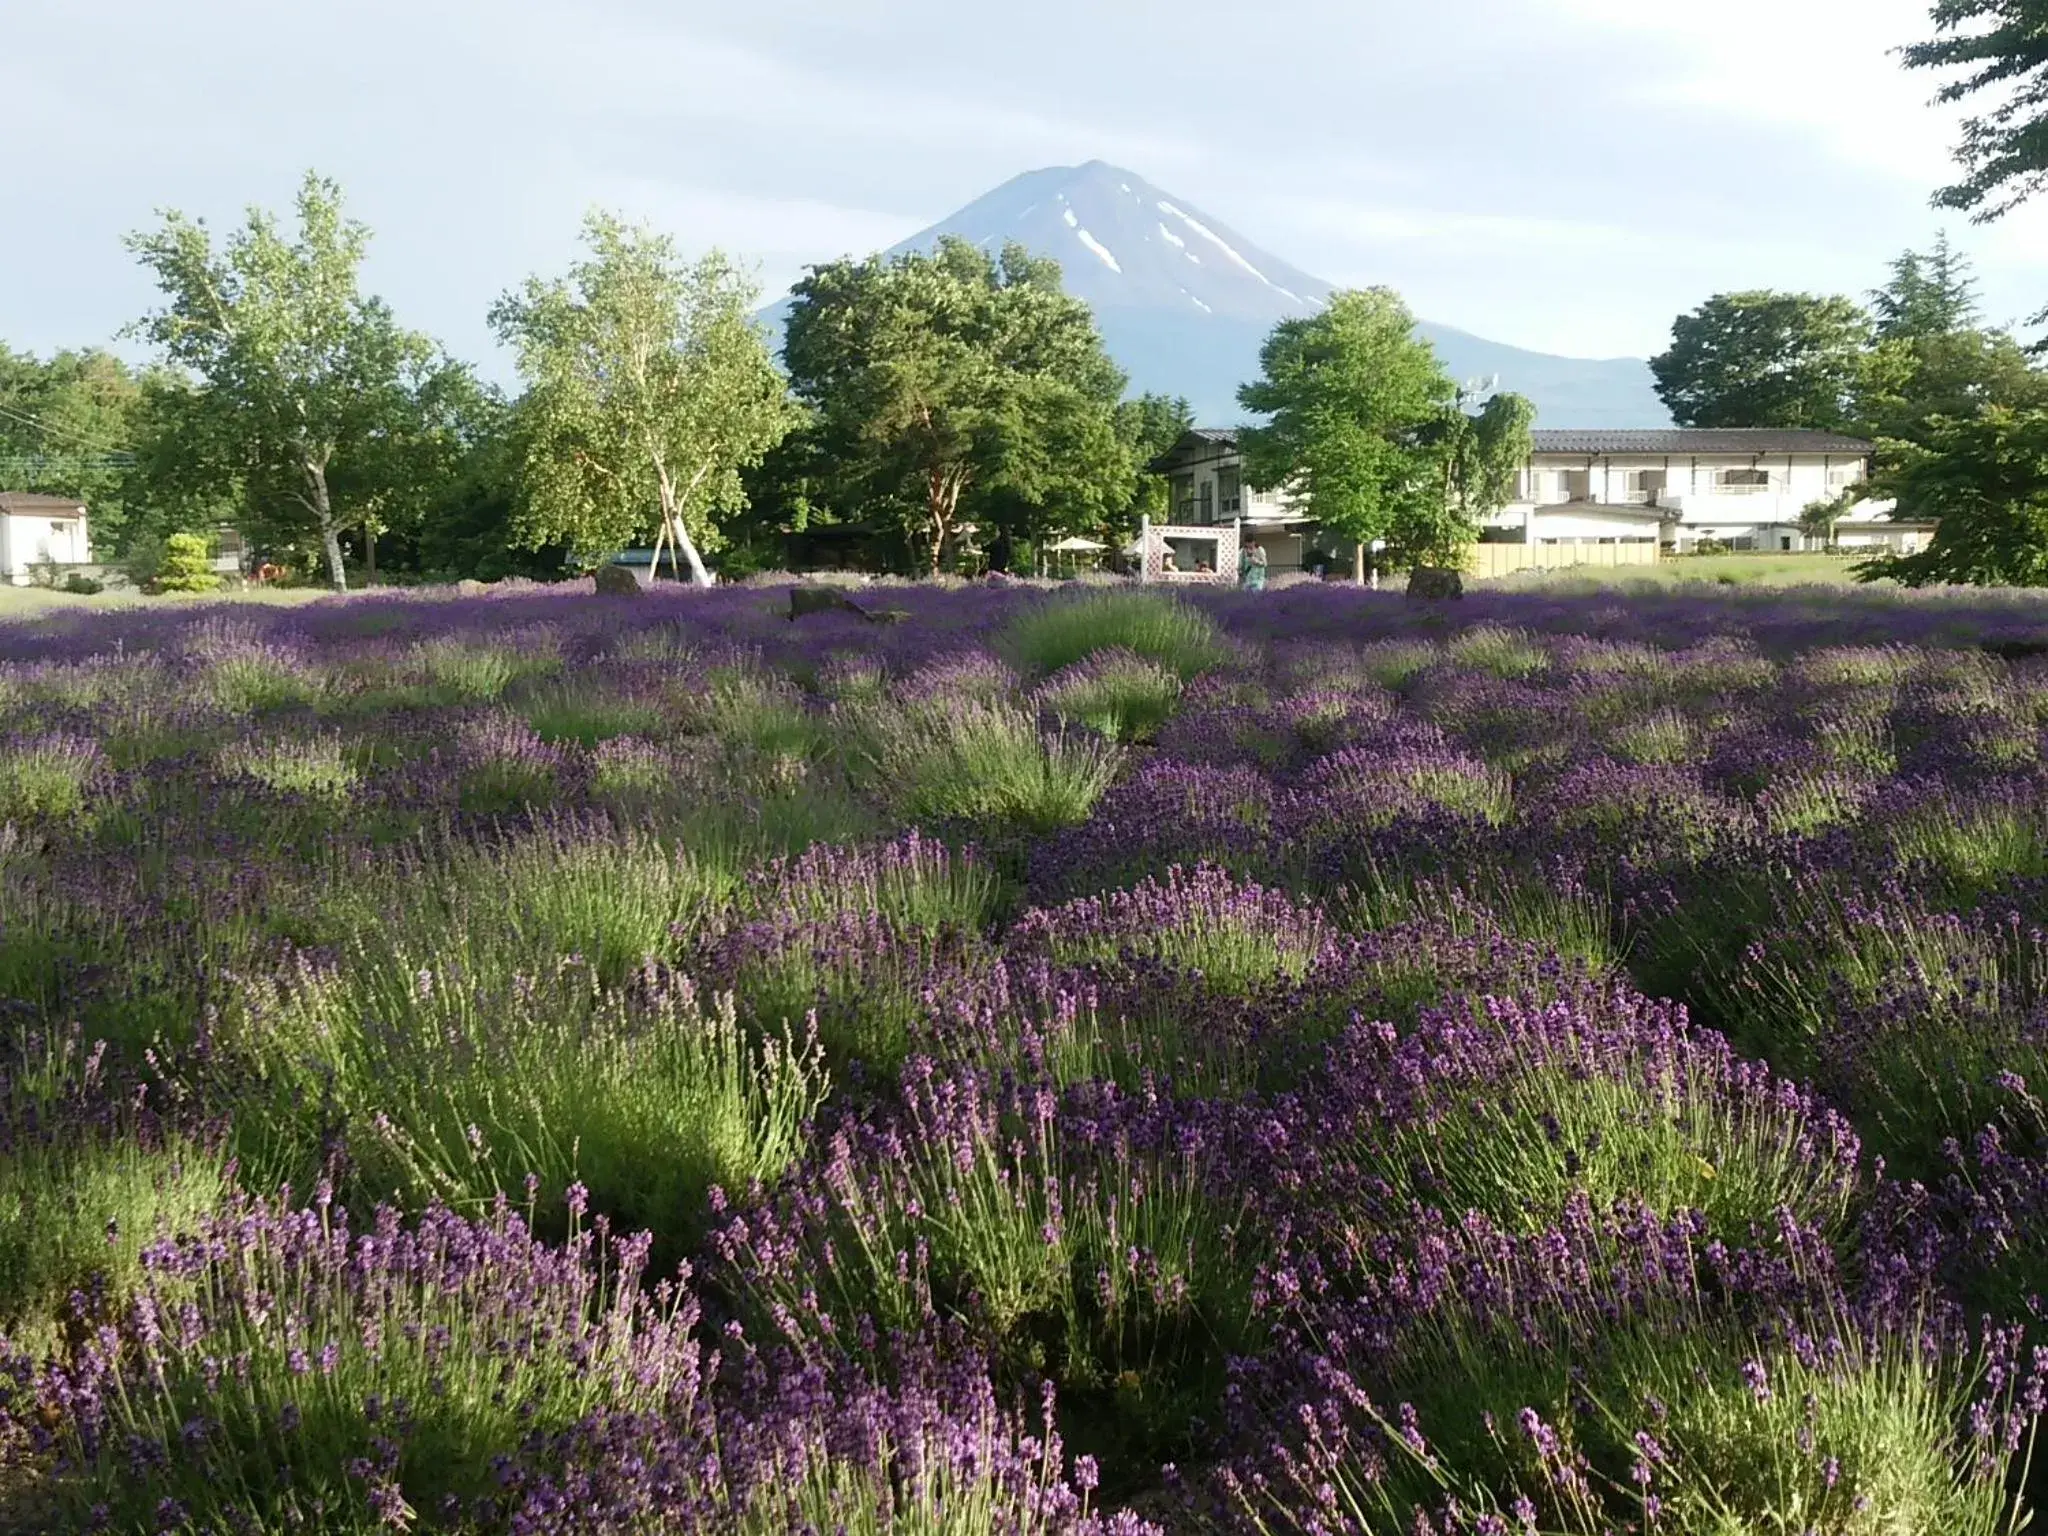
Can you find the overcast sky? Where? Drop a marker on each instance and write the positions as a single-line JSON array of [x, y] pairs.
[[1559, 174]]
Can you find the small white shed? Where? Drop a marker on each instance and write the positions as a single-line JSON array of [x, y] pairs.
[[40, 530]]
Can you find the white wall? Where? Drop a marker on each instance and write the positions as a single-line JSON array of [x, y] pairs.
[[27, 540], [1589, 524]]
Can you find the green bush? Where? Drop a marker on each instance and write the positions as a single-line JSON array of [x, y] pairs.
[[964, 761], [82, 585], [187, 565], [82, 1191], [1155, 626], [143, 559], [1124, 697]]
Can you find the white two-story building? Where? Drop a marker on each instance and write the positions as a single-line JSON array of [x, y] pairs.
[[1677, 488], [1746, 488]]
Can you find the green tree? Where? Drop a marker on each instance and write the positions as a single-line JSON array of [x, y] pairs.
[[1931, 293], [303, 383], [186, 566], [1358, 407], [954, 387], [1484, 455], [649, 392], [1985, 478], [1761, 359], [1147, 426], [1931, 358], [67, 427], [2002, 48]]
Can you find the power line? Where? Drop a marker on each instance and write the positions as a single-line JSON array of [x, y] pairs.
[[28, 420]]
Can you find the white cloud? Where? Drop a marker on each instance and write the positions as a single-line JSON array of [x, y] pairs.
[[1827, 68]]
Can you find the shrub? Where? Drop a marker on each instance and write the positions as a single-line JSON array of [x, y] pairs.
[[1115, 692], [143, 560], [453, 1082], [1095, 1243], [459, 672], [283, 1371], [83, 585], [913, 881], [1526, 1106], [319, 768], [90, 1173], [985, 763], [1159, 628], [587, 717], [1499, 652], [48, 778], [187, 565]]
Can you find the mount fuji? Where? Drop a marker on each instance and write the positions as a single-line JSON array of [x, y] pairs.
[[1184, 302]]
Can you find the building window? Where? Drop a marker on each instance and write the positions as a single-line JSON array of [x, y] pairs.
[[1183, 498], [1208, 502], [1575, 484], [1644, 485], [1229, 497], [1743, 480], [1838, 478]]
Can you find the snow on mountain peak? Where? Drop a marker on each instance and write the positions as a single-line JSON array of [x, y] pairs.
[[1184, 301]]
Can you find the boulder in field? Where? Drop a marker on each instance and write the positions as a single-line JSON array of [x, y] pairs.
[[617, 581], [804, 601], [1431, 583]]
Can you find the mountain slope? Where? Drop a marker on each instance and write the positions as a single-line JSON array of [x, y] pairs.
[[1184, 301]]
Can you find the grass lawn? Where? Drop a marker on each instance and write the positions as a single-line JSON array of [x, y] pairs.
[[1757, 570], [35, 602]]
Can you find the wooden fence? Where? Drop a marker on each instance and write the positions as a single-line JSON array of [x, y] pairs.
[[1485, 561]]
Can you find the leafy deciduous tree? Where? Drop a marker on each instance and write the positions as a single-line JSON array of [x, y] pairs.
[[649, 391], [1357, 406], [1985, 478], [1761, 359], [954, 387], [301, 379], [2002, 47], [1149, 425], [67, 427], [1483, 457]]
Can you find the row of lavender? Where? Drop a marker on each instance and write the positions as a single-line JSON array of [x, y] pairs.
[[1054, 1064]]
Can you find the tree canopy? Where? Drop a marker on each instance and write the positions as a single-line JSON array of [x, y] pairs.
[[1365, 428], [955, 387], [1931, 357], [1763, 359], [649, 391], [1148, 425], [307, 395], [1986, 479], [2001, 48], [68, 427]]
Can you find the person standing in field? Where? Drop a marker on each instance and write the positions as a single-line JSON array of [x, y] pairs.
[[1251, 568]]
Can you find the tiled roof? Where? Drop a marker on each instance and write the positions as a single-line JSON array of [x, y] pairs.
[[1194, 437], [1697, 440], [31, 504]]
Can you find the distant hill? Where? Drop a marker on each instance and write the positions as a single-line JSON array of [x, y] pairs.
[[1184, 301]]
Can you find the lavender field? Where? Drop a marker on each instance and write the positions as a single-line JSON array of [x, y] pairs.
[[1065, 1062]]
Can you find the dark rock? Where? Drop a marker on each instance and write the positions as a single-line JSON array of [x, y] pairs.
[[1433, 583], [2016, 650], [617, 581], [808, 600]]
